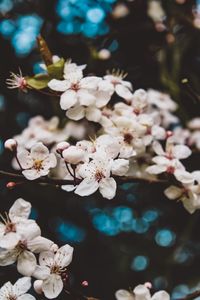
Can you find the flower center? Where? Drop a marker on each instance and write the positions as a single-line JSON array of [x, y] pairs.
[[12, 297], [55, 269], [75, 87], [170, 170], [128, 138], [21, 246], [38, 164], [99, 175], [10, 227]]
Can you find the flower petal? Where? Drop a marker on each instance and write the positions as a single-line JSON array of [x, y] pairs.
[[20, 208], [124, 295], [58, 85], [76, 113], [123, 91], [68, 99], [93, 114], [120, 167], [25, 159], [63, 256], [39, 151], [107, 188], [173, 192], [161, 295], [22, 285], [85, 98], [26, 297], [26, 263], [181, 151], [142, 292], [39, 244], [52, 286], [156, 169], [87, 187]]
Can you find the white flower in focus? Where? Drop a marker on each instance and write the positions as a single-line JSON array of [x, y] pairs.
[[76, 90], [122, 88], [17, 291], [15, 224], [141, 292], [52, 266], [37, 162], [30, 242]]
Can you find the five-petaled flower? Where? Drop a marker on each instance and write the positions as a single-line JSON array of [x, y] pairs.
[[37, 162], [17, 291]]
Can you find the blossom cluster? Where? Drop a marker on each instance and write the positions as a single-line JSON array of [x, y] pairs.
[[35, 256], [132, 134], [141, 292]]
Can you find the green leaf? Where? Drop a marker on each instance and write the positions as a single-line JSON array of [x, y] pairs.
[[56, 70], [39, 81]]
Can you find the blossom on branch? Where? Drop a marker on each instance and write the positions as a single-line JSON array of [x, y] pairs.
[[17, 291]]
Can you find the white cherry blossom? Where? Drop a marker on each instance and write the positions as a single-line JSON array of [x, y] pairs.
[[15, 224], [141, 292], [122, 88], [52, 266], [17, 291], [37, 162]]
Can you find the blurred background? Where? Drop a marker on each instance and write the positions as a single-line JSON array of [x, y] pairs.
[[139, 236]]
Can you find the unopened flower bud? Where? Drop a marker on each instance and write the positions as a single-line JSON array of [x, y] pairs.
[[62, 146], [10, 144], [73, 155], [104, 54], [38, 286], [169, 134], [11, 185], [85, 283], [54, 248], [148, 285]]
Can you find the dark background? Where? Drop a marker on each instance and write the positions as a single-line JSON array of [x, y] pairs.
[[139, 236]]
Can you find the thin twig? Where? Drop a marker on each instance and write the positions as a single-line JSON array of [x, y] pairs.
[[57, 181]]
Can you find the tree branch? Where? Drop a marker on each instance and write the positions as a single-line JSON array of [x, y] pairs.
[[57, 181]]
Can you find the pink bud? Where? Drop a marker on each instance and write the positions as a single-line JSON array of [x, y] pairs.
[[62, 146], [11, 185], [73, 155], [10, 144], [169, 134], [85, 283], [38, 286], [148, 285]]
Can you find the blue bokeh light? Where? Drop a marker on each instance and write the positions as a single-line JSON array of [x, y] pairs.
[[5, 6], [69, 232], [180, 291], [95, 15], [165, 238], [140, 263]]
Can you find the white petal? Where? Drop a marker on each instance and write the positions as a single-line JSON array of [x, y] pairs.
[[142, 293], [120, 167], [85, 98], [68, 99], [107, 188], [22, 285], [26, 297], [160, 160], [25, 159], [9, 240], [181, 151], [93, 114], [123, 91], [173, 192], [20, 208], [46, 258], [87, 187], [52, 286], [26, 263], [68, 188], [156, 169], [90, 82], [6, 289], [50, 161], [8, 257], [28, 229], [158, 148], [39, 151], [58, 85], [41, 272], [184, 176], [31, 174], [161, 295], [124, 295], [76, 113], [63, 256], [39, 244]]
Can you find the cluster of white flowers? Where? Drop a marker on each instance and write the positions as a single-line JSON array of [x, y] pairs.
[[141, 292], [129, 130], [21, 243]]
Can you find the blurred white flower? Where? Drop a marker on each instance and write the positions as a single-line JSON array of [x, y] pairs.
[[17, 291], [141, 292], [37, 162]]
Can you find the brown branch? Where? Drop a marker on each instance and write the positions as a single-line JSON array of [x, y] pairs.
[[191, 296], [56, 181]]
